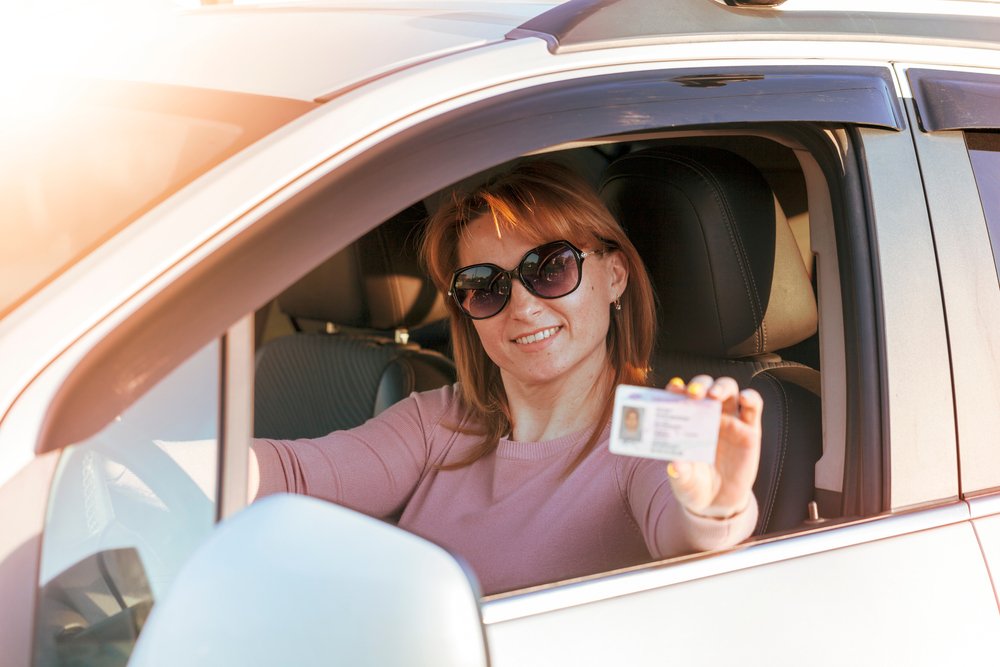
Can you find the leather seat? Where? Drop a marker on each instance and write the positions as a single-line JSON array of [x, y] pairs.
[[357, 361], [732, 291]]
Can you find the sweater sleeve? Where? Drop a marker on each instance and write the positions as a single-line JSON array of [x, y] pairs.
[[667, 527], [373, 468]]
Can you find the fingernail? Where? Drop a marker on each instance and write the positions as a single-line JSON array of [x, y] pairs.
[[695, 388], [676, 382], [672, 471]]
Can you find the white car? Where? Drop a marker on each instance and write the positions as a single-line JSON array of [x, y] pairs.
[[208, 222]]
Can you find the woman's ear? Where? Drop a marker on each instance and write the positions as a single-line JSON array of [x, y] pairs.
[[618, 272]]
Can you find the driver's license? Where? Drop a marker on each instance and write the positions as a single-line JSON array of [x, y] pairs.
[[658, 424]]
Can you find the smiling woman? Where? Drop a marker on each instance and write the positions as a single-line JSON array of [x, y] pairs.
[[535, 204], [509, 467]]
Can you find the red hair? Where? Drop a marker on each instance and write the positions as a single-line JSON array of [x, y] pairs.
[[544, 202]]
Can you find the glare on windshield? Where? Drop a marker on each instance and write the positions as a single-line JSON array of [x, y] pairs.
[[76, 172]]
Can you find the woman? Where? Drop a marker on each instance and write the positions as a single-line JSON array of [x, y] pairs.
[[551, 308]]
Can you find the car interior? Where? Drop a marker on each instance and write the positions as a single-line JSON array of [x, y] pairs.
[[724, 220]]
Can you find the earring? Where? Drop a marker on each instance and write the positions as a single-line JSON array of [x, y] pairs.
[[618, 303]]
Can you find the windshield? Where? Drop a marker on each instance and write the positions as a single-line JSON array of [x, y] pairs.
[[77, 169]]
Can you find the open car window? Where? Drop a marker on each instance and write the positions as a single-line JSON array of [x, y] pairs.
[[794, 164], [314, 337]]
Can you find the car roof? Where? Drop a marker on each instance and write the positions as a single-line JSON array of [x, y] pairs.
[[588, 24], [301, 50], [314, 50], [210, 62]]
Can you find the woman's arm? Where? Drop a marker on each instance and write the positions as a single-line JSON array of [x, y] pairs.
[[667, 527], [373, 468]]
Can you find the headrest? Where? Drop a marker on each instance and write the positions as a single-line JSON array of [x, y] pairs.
[[375, 283], [723, 261]]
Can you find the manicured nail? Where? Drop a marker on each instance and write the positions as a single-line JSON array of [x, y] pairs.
[[676, 382], [672, 471], [695, 389]]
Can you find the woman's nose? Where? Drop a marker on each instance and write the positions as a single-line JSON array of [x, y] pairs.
[[523, 304]]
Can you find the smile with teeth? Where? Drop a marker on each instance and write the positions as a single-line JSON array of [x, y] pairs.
[[537, 336]]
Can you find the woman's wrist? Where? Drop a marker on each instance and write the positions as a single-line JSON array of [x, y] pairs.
[[719, 513]]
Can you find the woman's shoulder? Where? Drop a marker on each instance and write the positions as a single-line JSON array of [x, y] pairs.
[[437, 405], [444, 396]]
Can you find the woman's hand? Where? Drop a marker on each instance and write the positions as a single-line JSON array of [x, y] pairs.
[[722, 489]]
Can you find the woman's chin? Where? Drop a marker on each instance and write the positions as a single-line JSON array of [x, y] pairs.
[[537, 374]]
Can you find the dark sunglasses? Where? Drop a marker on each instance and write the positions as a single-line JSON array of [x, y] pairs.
[[549, 271]]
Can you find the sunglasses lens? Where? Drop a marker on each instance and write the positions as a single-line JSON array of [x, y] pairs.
[[552, 270], [549, 271], [481, 291]]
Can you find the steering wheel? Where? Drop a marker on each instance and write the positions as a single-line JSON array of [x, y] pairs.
[[150, 503]]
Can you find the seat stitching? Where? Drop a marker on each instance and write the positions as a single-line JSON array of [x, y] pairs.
[[772, 501], [686, 194], [749, 284], [737, 240]]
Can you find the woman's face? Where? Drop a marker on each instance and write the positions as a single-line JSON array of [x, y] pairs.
[[632, 420], [539, 341]]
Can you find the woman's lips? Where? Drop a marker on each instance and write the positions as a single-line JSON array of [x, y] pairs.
[[537, 336]]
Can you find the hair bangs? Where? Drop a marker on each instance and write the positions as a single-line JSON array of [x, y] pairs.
[[541, 215]]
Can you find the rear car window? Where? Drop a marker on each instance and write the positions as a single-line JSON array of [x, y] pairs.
[[984, 151]]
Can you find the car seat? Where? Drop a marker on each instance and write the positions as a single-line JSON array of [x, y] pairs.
[[358, 360], [732, 291]]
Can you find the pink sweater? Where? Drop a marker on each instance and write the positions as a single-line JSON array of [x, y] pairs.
[[511, 515]]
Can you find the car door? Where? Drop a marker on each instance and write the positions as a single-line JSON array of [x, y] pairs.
[[957, 135], [884, 581]]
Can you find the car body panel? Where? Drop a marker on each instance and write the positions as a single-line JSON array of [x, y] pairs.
[[275, 50], [132, 145], [923, 458], [986, 520], [880, 609], [20, 546], [824, 537], [969, 286]]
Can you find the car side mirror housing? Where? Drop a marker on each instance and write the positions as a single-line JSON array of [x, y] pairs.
[[292, 580]]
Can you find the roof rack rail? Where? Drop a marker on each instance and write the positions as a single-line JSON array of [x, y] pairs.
[[580, 25]]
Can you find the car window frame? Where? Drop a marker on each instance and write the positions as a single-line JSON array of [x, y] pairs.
[[938, 97], [137, 340], [300, 227]]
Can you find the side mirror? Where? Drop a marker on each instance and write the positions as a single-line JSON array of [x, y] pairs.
[[297, 581]]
